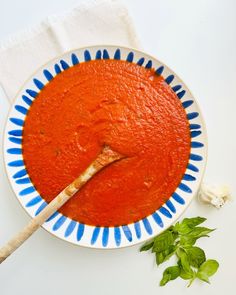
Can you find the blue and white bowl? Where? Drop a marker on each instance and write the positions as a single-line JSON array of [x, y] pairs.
[[73, 231]]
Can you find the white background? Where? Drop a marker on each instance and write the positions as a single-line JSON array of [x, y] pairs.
[[197, 39]]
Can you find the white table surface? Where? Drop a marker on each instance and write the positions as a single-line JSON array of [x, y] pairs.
[[198, 40]]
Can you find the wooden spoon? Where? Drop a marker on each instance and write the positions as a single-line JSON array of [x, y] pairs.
[[106, 157]]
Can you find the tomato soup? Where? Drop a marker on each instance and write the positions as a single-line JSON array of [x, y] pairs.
[[117, 103]]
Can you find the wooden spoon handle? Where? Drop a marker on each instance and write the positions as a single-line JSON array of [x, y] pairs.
[[106, 157]]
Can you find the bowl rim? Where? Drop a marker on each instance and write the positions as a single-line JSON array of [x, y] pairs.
[[147, 56]]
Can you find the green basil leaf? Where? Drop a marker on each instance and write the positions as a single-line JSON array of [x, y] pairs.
[[209, 267], [165, 255], [165, 279], [187, 241], [146, 246], [185, 264], [171, 273], [196, 256], [182, 228], [185, 275], [163, 241], [171, 252], [192, 222], [188, 224], [199, 232], [203, 277], [160, 258]]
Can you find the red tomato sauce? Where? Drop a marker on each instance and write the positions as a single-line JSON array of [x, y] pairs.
[[109, 102]]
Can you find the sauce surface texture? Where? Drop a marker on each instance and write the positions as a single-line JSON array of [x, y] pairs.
[[120, 104]]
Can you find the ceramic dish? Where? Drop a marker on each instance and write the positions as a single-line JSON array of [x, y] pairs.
[[73, 231]]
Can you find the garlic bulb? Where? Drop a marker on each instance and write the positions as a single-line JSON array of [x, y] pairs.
[[214, 195]]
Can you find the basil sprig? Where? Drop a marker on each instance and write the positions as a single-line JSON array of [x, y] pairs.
[[179, 240]]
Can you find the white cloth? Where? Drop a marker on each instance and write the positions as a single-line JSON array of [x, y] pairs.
[[94, 22]]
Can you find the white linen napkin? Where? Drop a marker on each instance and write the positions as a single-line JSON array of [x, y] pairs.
[[94, 22]]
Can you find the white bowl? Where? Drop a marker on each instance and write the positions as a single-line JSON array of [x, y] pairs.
[[86, 235]]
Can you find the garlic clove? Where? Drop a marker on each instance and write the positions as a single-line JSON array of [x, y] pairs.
[[217, 196]]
